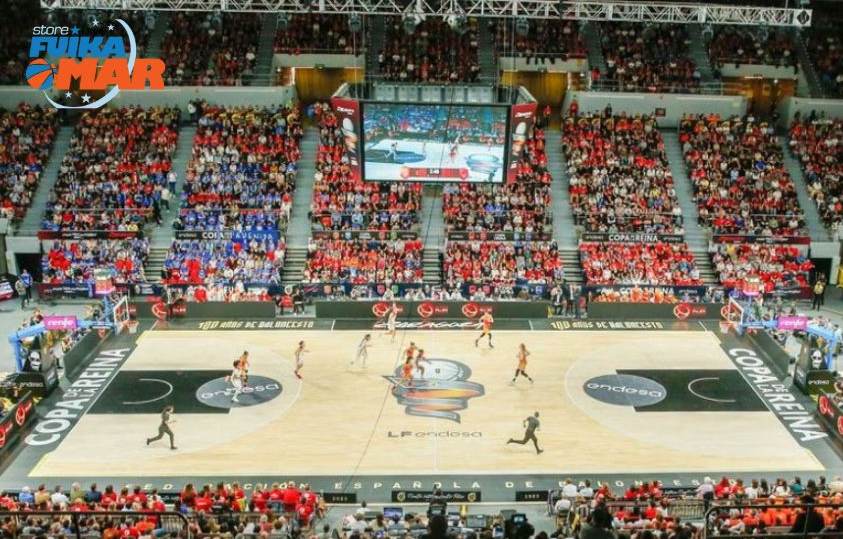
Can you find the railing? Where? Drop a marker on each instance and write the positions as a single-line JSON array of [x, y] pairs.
[[613, 85], [636, 223], [168, 522]]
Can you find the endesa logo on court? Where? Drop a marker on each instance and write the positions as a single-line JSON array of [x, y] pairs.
[[89, 66]]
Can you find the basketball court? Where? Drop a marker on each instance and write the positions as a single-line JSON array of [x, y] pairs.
[[656, 402]]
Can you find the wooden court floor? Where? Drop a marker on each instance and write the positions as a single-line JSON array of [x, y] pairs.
[[343, 419]]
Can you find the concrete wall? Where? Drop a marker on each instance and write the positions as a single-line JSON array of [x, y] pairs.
[[574, 65], [674, 105], [178, 96], [310, 60]]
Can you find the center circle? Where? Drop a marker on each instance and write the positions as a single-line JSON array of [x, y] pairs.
[[219, 393], [625, 390]]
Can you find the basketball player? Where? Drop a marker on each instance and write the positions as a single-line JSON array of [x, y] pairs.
[[236, 379], [532, 425], [407, 373], [164, 427], [299, 355], [410, 352], [455, 148], [393, 152], [243, 365], [486, 321], [392, 317], [363, 350], [419, 359], [522, 364]]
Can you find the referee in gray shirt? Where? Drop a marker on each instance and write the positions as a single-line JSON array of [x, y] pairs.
[[532, 425]]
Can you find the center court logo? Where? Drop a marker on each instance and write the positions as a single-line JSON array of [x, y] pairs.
[[92, 61], [625, 390], [218, 392], [442, 393]]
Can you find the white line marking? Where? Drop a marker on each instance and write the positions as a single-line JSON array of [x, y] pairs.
[[712, 399], [164, 396]]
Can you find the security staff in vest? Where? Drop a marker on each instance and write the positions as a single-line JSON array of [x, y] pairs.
[[164, 428]]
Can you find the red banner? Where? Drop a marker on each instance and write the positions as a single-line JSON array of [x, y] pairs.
[[522, 118], [348, 114]]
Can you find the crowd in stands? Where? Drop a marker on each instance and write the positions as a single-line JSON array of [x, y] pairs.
[[650, 58], [620, 179], [113, 174], [21, 16], [361, 261], [825, 47], [548, 39], [520, 206], [818, 144], [751, 45], [210, 48], [740, 183], [777, 266], [242, 172], [69, 262], [228, 262], [310, 32], [609, 263], [499, 263], [26, 138], [342, 201], [433, 52]]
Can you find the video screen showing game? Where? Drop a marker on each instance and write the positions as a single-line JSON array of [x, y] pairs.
[[434, 143]]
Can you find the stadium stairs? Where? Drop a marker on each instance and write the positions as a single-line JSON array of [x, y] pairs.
[[298, 229], [31, 222], [592, 37], [160, 237], [696, 237], [432, 232], [162, 23], [486, 53], [374, 43], [564, 229], [262, 75], [294, 262], [698, 51], [814, 84], [815, 225]]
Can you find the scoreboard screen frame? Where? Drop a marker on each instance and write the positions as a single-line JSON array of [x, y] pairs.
[[364, 103]]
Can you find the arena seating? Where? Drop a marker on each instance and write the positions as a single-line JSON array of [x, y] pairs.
[[26, 138], [434, 52], [547, 40], [361, 261], [114, 170], [520, 206], [818, 145], [74, 261], [498, 263], [20, 17], [229, 262], [343, 202], [210, 49], [620, 179], [243, 168], [749, 45], [740, 183], [825, 47], [651, 58], [313, 32], [777, 266], [610, 263]]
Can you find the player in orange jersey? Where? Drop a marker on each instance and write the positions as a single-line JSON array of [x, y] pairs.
[[486, 321]]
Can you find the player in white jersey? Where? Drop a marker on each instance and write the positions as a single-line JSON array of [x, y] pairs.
[[299, 355], [391, 320], [236, 378], [363, 350]]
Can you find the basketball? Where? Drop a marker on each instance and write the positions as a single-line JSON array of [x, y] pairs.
[[39, 74]]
